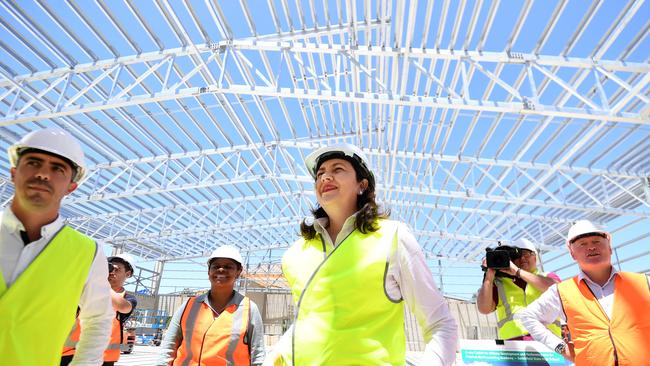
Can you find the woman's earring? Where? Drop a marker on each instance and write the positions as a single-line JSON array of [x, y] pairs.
[[360, 192]]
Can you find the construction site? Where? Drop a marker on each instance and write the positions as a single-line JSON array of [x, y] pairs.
[[483, 122]]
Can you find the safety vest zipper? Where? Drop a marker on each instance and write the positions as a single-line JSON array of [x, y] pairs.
[[609, 331], [302, 294], [609, 328], [203, 339]]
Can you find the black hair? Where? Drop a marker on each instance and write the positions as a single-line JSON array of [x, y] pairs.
[[127, 265], [368, 210]]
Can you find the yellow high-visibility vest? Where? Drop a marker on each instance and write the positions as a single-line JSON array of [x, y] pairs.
[[512, 299], [39, 309], [344, 316]]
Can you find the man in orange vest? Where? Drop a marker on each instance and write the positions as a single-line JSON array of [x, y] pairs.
[[606, 310], [120, 267]]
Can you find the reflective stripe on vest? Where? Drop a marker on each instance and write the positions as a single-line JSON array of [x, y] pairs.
[[73, 338], [344, 315], [39, 309], [209, 340], [513, 299], [599, 340], [112, 352]]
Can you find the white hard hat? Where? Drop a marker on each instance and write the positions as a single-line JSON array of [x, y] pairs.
[[524, 243], [312, 160], [227, 251], [55, 141], [124, 257], [582, 227]]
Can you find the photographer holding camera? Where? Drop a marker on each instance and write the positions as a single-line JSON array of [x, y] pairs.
[[511, 282]]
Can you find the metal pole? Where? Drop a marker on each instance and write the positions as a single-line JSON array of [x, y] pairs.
[[442, 285], [618, 262], [539, 261], [156, 285]]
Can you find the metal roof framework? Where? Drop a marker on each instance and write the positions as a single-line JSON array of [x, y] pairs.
[[484, 121]]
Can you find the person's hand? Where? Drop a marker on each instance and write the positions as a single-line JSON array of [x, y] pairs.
[[512, 270], [272, 359], [490, 273], [569, 352]]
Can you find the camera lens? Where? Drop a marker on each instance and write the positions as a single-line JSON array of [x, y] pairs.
[[111, 267], [497, 259], [515, 253]]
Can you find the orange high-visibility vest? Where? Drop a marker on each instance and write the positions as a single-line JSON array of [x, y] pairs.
[[73, 338], [209, 340], [112, 352], [599, 340]]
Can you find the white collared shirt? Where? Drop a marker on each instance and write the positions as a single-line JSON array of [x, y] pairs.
[[604, 294], [408, 277], [96, 312]]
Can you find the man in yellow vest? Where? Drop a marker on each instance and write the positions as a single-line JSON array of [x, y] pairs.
[[120, 268], [48, 269], [512, 290], [606, 310]]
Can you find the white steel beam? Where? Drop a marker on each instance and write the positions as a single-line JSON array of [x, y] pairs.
[[337, 96], [332, 92]]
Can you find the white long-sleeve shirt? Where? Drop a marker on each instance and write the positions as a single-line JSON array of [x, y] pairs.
[[549, 306], [408, 277], [96, 312]]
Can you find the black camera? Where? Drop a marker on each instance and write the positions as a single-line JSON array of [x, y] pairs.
[[501, 256], [111, 267]]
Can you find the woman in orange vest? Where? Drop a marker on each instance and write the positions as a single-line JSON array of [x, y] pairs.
[[219, 327]]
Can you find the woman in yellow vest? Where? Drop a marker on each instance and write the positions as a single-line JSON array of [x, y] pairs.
[[510, 290], [351, 274], [220, 327]]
